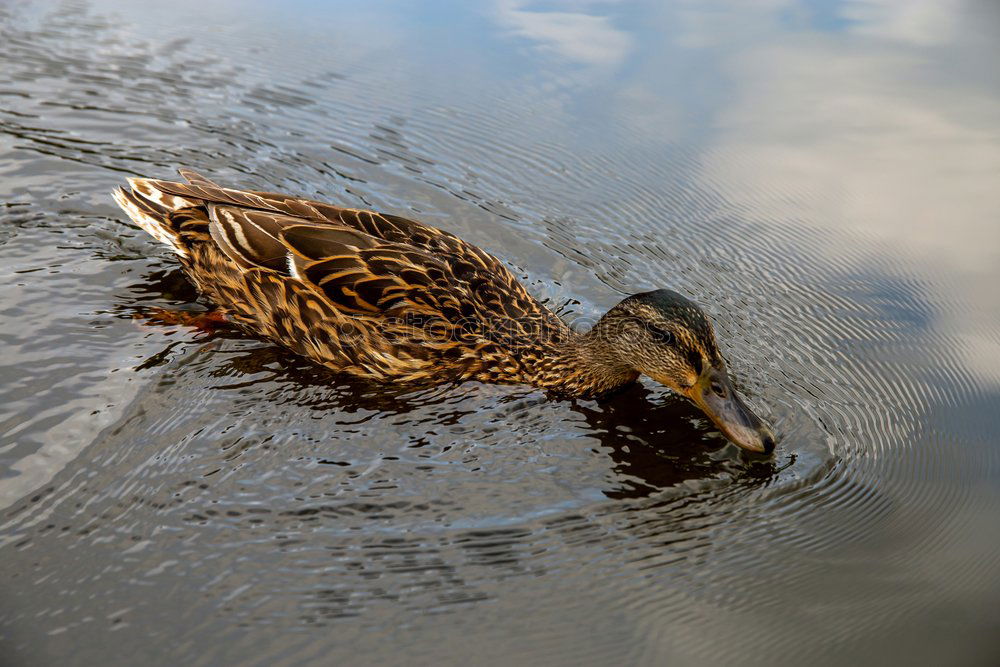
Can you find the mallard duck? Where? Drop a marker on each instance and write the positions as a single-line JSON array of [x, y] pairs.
[[385, 298]]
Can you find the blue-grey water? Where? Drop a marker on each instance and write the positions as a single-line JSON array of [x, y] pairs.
[[823, 176]]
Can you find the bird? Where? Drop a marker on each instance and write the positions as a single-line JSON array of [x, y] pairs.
[[385, 298]]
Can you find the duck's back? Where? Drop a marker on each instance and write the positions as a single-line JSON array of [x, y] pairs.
[[373, 295]]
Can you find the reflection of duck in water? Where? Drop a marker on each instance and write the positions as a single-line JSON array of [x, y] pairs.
[[386, 298], [654, 447]]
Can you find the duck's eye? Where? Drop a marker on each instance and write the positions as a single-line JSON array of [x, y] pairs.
[[661, 336]]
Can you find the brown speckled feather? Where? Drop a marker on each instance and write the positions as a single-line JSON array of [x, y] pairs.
[[373, 295], [385, 298]]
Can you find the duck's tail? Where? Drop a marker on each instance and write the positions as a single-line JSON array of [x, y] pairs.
[[155, 210]]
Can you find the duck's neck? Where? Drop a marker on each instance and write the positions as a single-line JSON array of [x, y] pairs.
[[580, 364]]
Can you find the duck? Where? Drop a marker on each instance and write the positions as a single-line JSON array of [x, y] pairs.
[[389, 299]]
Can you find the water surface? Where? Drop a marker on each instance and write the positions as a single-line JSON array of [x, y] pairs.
[[821, 176]]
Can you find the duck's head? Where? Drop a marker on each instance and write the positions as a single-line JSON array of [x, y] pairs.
[[669, 338]]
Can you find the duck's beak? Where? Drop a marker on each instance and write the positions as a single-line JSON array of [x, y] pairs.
[[715, 395]]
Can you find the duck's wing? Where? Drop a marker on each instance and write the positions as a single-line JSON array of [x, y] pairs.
[[362, 261], [409, 289]]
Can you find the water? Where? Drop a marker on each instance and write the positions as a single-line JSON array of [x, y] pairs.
[[821, 176]]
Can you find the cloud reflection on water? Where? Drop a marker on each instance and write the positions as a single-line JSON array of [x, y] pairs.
[[845, 118], [575, 36]]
